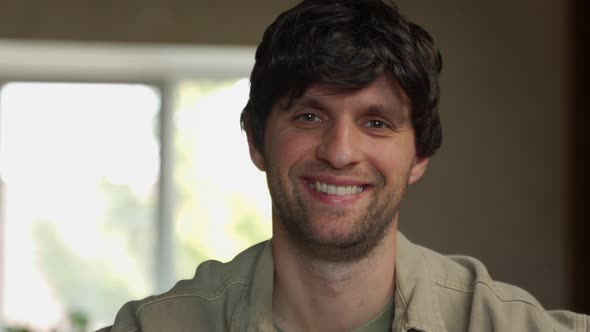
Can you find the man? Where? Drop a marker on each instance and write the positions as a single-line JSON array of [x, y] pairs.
[[342, 116]]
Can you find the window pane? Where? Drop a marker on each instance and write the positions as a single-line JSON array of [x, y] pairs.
[[222, 204], [79, 165]]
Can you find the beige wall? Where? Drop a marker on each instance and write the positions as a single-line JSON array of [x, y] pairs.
[[169, 21], [496, 190]]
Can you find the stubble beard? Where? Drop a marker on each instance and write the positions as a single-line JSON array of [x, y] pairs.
[[369, 228]]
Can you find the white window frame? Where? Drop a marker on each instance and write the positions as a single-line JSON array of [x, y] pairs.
[[154, 64]]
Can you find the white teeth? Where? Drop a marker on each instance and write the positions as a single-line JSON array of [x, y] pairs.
[[336, 190], [331, 189]]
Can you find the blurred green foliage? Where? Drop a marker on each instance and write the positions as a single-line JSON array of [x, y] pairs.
[[91, 288]]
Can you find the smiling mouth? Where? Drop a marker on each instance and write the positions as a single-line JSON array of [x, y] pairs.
[[336, 190]]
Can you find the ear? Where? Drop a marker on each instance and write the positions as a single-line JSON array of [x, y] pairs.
[[255, 154], [418, 169]]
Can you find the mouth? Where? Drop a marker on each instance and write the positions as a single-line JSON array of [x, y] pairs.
[[336, 190]]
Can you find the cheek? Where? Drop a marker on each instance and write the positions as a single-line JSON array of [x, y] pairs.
[[393, 162], [286, 149]]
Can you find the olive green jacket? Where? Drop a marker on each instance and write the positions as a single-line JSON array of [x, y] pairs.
[[435, 293]]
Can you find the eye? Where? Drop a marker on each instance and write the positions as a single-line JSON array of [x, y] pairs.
[[308, 117], [377, 124]]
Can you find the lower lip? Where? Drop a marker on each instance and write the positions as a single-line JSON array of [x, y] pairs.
[[334, 199]]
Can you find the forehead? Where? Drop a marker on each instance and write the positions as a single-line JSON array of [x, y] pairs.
[[384, 93], [382, 86]]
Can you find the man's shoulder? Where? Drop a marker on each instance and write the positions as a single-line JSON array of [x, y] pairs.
[[213, 277], [466, 298], [210, 298], [498, 304]]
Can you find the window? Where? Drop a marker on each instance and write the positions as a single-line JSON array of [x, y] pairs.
[[222, 204], [79, 167], [119, 180]]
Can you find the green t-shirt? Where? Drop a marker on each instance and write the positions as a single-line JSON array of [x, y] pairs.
[[381, 323]]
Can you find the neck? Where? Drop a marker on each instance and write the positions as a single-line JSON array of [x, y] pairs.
[[307, 291]]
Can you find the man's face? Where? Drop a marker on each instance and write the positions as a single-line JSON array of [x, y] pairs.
[[338, 162]]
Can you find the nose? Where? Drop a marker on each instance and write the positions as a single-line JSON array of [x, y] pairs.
[[340, 144]]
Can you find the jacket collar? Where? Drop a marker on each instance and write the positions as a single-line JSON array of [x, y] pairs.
[[254, 312], [416, 306]]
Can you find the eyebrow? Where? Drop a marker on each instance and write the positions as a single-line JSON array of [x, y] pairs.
[[395, 113], [303, 101]]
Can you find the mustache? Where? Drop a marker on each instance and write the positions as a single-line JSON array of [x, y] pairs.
[[351, 171]]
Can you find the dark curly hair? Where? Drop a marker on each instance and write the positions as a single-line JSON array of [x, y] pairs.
[[346, 43]]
